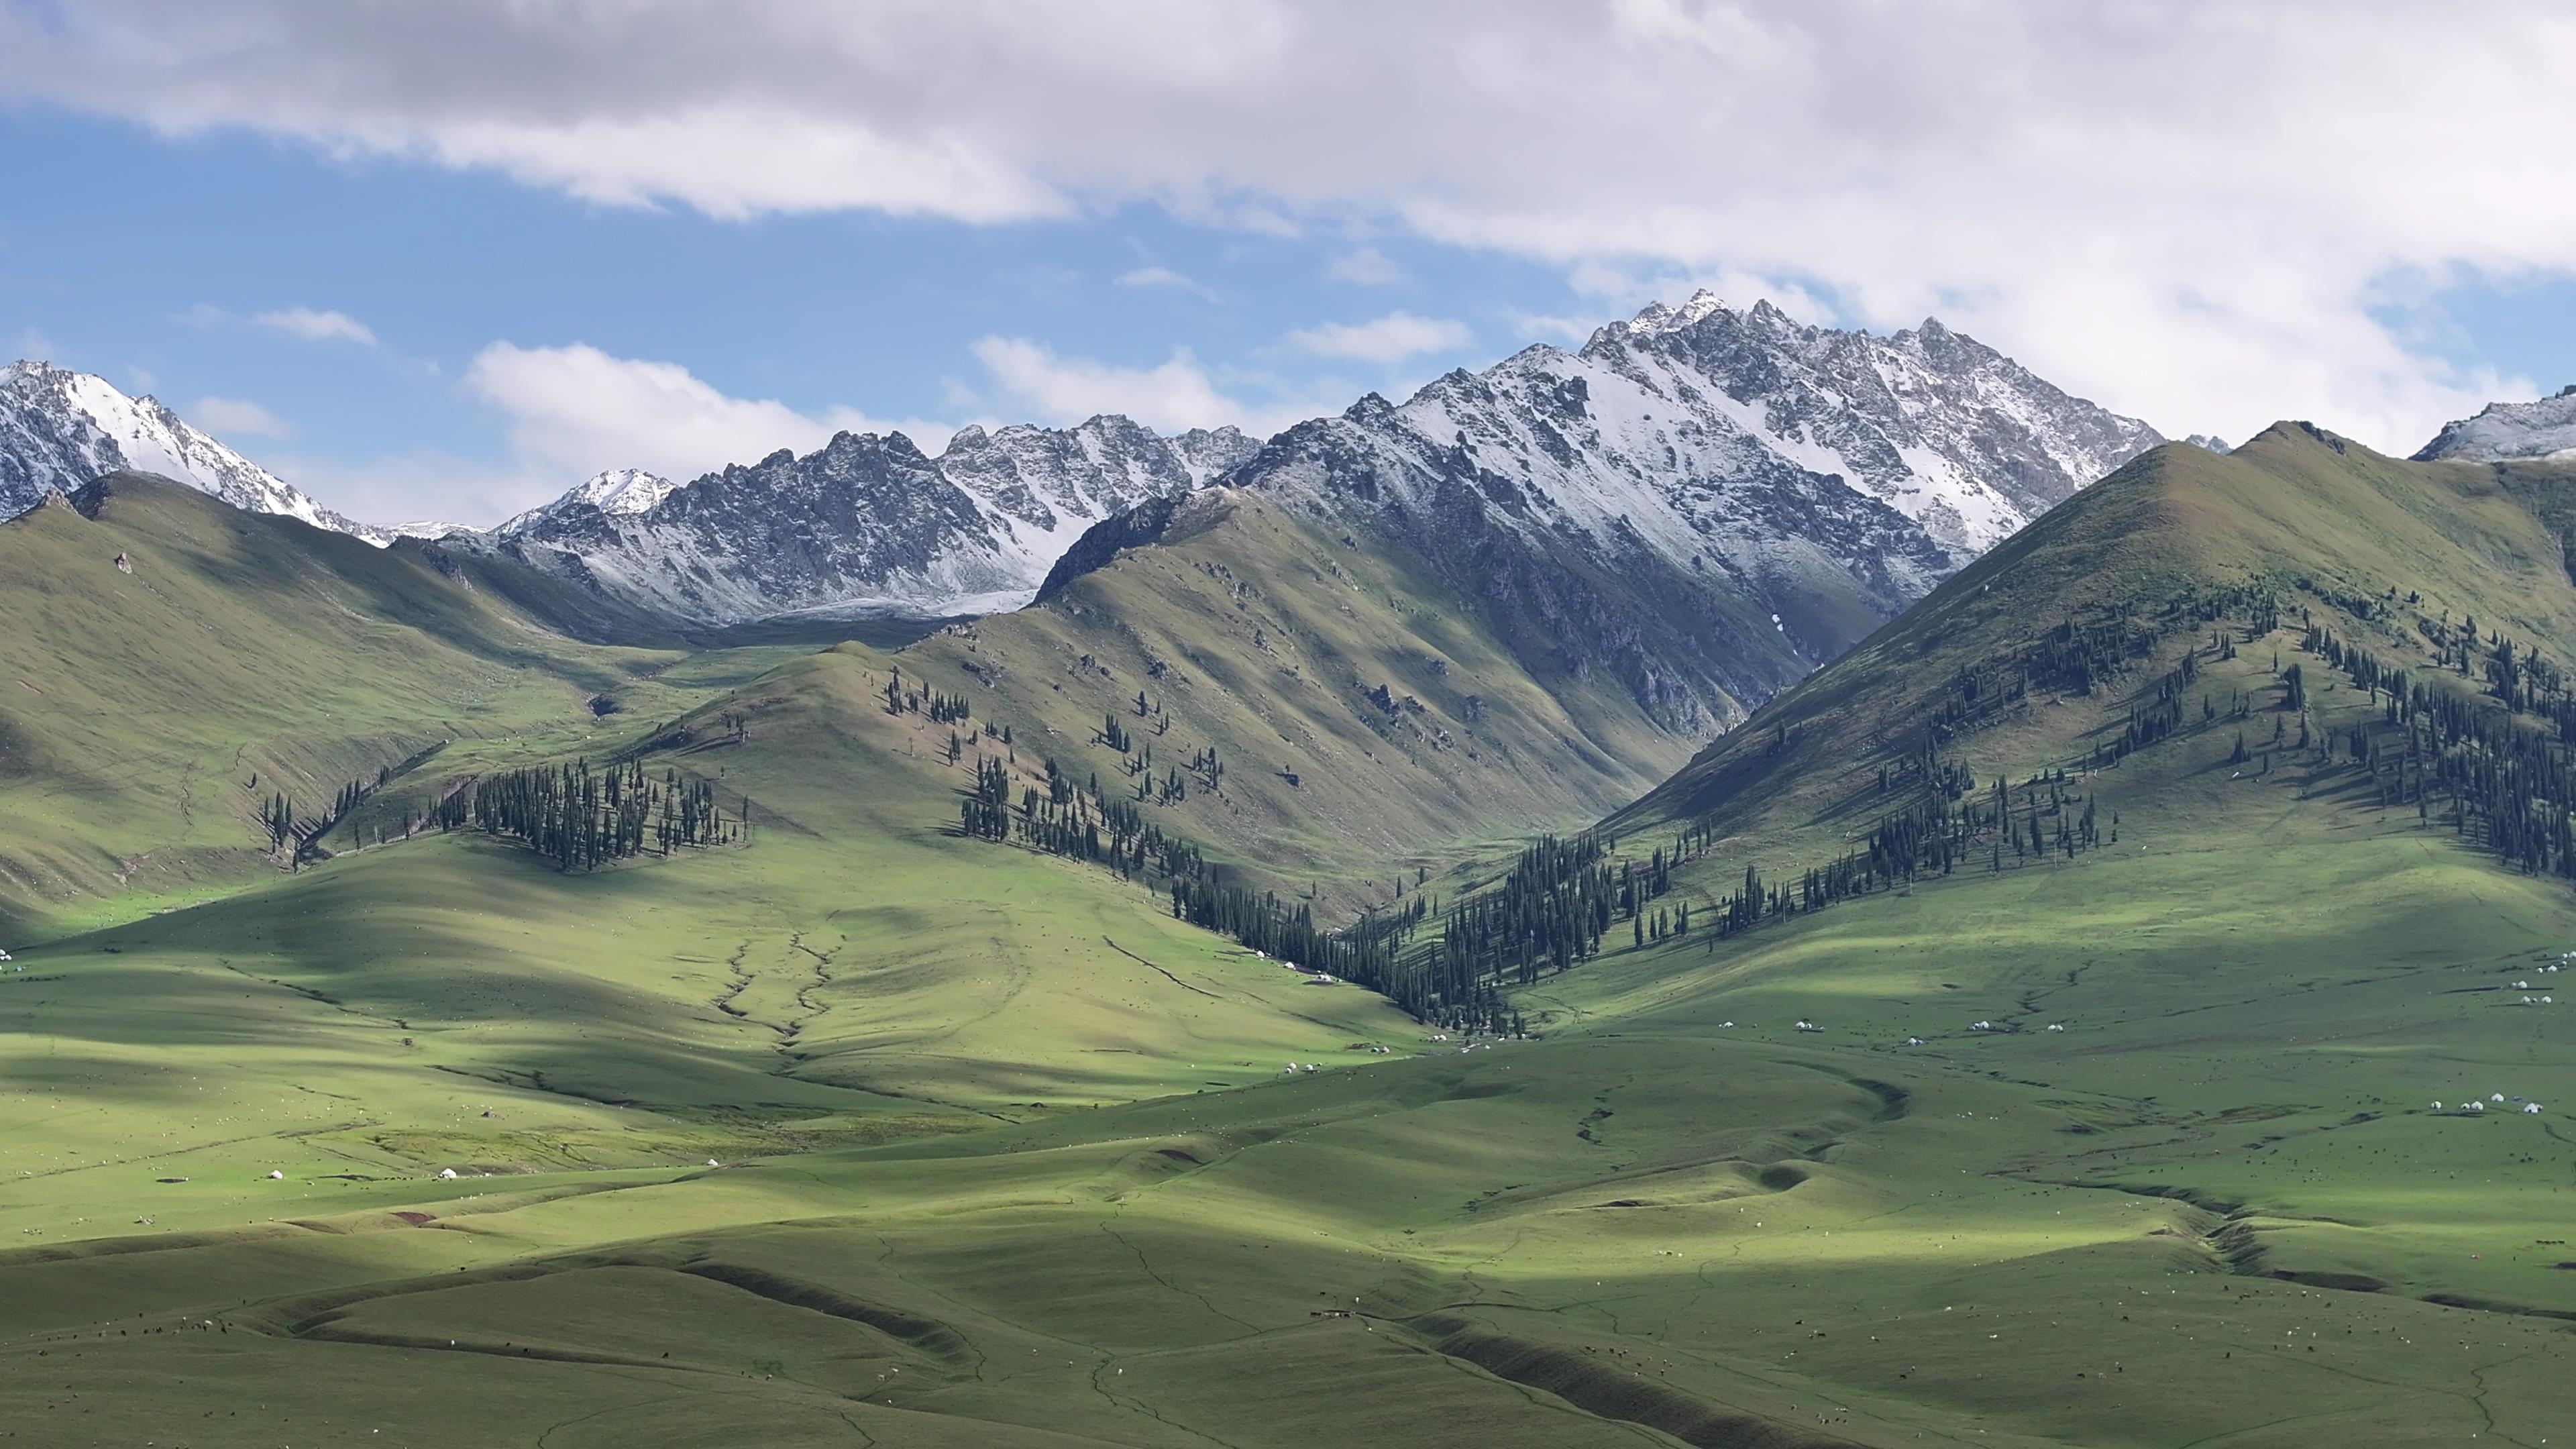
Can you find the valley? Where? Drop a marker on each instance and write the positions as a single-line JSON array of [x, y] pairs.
[[2022, 1028]]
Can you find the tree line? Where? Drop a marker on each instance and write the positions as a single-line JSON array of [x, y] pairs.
[[582, 819]]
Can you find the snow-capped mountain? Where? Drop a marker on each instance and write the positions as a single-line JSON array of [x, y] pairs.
[[59, 429], [1798, 461], [1778, 488], [865, 524], [2502, 432], [616, 493]]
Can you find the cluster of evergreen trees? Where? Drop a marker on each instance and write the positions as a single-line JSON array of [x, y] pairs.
[[2045, 817], [582, 819], [942, 708], [1070, 822], [2507, 784], [285, 827], [1368, 954], [278, 815], [1549, 913]]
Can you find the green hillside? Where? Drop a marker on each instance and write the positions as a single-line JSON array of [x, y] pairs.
[[1368, 718], [152, 712], [860, 1130]]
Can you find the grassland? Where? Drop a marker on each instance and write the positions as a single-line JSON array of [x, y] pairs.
[[2216, 1209]]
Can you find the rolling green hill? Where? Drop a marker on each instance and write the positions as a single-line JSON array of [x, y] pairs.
[[1369, 717], [864, 1131], [153, 710]]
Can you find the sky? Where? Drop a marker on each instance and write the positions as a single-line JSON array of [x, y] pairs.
[[444, 260]]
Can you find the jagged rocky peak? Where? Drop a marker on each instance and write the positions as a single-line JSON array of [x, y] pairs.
[[615, 493], [59, 429], [1770, 485], [2503, 432], [1957, 436], [866, 524], [2210, 441]]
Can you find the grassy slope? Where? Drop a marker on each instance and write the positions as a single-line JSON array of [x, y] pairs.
[[1262, 637], [2290, 503], [140, 706], [1673, 1221]]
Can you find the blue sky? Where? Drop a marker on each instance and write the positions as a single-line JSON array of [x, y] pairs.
[[151, 260], [447, 260]]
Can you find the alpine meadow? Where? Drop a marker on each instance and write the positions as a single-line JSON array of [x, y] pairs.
[[1724, 880]]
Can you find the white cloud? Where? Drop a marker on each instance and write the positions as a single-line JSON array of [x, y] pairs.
[[236, 417], [424, 484], [2183, 208], [1166, 277], [1624, 287], [307, 325], [1391, 338], [1365, 267], [573, 411], [1173, 395], [1569, 330]]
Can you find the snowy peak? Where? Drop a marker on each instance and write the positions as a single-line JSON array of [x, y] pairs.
[[2504, 432], [617, 492], [866, 524], [1702, 304], [1760, 481], [59, 429], [625, 490]]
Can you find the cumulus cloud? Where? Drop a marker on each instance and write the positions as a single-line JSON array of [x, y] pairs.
[[2185, 209], [237, 417], [307, 325], [1388, 339], [576, 410], [1173, 394], [1036, 380], [1550, 327], [1166, 277]]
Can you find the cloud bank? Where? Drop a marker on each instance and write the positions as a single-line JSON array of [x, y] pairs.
[[2189, 209]]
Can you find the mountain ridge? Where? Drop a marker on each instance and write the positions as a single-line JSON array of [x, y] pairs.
[[60, 429]]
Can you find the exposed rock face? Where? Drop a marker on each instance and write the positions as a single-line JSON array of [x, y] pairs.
[[865, 524], [2503, 432], [60, 429], [1705, 502]]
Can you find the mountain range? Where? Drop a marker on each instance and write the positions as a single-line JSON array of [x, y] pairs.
[[1739, 443], [1466, 907]]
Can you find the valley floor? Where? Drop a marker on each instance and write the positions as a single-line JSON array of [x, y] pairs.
[[839, 1154]]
